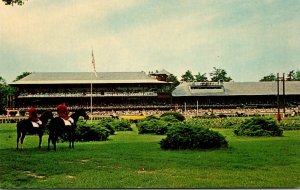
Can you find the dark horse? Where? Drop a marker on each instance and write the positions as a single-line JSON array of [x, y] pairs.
[[25, 126], [57, 128]]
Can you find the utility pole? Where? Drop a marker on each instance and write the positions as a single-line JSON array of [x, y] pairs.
[[278, 97], [283, 94], [278, 102]]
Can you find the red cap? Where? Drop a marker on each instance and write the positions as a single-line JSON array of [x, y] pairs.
[[31, 110], [62, 110]]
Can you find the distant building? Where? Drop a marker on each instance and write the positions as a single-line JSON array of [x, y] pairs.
[[233, 94]]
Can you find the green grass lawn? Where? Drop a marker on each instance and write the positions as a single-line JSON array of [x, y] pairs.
[[129, 160]]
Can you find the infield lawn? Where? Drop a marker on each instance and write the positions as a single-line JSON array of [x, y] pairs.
[[129, 160]]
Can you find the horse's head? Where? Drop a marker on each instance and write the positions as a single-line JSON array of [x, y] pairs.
[[46, 115], [82, 113]]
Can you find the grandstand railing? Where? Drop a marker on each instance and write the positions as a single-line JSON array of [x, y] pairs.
[[105, 94]]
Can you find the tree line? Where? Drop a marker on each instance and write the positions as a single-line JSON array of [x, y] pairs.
[[291, 76], [13, 2]]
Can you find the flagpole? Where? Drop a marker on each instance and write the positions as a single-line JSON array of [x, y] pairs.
[[91, 106], [93, 68]]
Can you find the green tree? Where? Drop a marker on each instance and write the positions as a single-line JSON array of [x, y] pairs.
[[24, 74], [172, 78], [270, 77], [219, 74], [297, 76], [294, 76], [12, 2], [201, 78], [5, 90], [2, 92], [188, 76]]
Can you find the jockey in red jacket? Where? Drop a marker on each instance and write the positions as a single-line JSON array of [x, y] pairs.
[[33, 117], [62, 111]]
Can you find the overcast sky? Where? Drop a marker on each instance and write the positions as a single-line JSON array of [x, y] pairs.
[[247, 38]]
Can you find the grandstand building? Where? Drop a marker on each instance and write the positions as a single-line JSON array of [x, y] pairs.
[[138, 90], [236, 94], [110, 90]]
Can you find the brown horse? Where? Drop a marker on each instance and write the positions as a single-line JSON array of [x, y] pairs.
[[58, 128], [25, 126]]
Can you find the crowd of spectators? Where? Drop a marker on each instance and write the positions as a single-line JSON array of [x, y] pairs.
[[82, 92], [157, 110]]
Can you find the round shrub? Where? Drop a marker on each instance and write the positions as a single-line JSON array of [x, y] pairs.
[[88, 132], [107, 124], [258, 126], [187, 136], [121, 125], [150, 117], [177, 115], [169, 118], [153, 126], [92, 132]]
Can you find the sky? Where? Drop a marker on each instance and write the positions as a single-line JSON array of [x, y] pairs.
[[249, 39]]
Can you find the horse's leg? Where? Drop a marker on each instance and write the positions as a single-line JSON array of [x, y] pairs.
[[22, 139], [54, 139], [40, 139], [73, 139], [73, 142], [18, 138], [49, 138], [70, 139]]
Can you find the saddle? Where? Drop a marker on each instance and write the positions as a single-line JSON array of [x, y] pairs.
[[68, 122], [36, 124]]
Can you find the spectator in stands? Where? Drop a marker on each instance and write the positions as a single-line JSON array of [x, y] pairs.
[[33, 117], [62, 111]]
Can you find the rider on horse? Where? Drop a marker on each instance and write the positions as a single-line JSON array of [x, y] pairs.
[[33, 117], [62, 111]]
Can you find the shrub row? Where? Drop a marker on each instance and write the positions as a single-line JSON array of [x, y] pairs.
[[217, 123], [290, 124], [98, 131]]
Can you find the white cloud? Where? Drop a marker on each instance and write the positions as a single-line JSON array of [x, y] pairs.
[[53, 29]]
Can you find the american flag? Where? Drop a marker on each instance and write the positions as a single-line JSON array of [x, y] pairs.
[[93, 63]]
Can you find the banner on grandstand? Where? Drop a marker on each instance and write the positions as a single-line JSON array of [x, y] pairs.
[[93, 64]]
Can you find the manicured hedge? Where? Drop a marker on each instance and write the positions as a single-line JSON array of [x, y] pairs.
[[258, 126], [155, 125], [91, 132], [290, 124], [98, 130], [121, 125], [177, 115], [216, 123], [188, 136]]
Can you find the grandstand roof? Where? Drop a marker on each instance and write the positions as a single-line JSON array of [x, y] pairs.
[[239, 89], [162, 72], [85, 77]]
